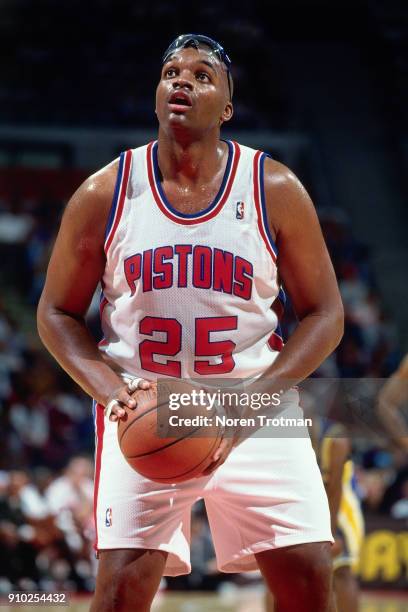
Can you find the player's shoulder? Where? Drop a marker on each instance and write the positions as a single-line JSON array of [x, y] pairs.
[[280, 179], [94, 196], [286, 198], [277, 178], [102, 182], [274, 172]]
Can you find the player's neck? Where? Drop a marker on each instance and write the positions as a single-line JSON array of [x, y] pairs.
[[191, 161]]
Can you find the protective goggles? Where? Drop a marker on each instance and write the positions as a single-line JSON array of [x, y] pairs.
[[194, 40]]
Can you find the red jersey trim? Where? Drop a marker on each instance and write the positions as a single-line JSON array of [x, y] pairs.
[[99, 431]]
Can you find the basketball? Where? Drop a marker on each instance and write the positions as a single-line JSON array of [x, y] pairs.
[[167, 459]]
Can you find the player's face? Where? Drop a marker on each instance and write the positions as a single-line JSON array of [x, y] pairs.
[[193, 91]]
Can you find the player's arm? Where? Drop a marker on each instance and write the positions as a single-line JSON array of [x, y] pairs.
[[75, 269], [390, 399], [307, 274], [339, 452]]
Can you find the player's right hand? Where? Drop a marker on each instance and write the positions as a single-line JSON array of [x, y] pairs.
[[124, 396]]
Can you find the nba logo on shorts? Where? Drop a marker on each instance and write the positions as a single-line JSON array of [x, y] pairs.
[[240, 210], [108, 517]]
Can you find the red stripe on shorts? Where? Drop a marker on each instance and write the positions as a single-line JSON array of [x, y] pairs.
[[100, 428]]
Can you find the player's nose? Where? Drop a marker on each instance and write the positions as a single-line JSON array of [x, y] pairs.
[[182, 82]]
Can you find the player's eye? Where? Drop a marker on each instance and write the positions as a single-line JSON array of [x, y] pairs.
[[170, 72], [203, 76]]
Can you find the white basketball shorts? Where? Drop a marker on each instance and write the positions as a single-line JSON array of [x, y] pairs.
[[268, 494]]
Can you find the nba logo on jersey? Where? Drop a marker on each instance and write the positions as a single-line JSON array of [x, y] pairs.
[[108, 517], [240, 210]]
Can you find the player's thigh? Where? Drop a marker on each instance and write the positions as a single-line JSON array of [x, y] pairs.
[[127, 576]]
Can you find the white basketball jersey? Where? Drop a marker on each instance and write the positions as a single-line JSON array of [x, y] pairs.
[[190, 295]]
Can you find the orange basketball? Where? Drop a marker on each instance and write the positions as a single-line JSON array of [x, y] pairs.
[[167, 459]]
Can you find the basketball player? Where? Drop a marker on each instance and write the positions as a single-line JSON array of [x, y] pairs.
[[391, 399], [186, 235], [333, 449]]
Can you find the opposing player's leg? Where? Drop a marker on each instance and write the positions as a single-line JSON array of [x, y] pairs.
[[299, 577], [350, 533], [127, 580], [346, 589]]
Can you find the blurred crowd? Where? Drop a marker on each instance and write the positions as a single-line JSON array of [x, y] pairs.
[[370, 346], [46, 528], [369, 349], [46, 464]]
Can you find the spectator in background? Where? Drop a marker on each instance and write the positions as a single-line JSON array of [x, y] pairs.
[[26, 526], [45, 418], [15, 222], [70, 498], [374, 483], [399, 510], [45, 539]]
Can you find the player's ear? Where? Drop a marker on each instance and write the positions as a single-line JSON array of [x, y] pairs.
[[227, 113]]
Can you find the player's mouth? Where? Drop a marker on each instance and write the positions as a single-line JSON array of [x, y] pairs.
[[179, 102]]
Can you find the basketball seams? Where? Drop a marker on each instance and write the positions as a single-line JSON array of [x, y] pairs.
[[191, 469], [157, 450], [122, 433]]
